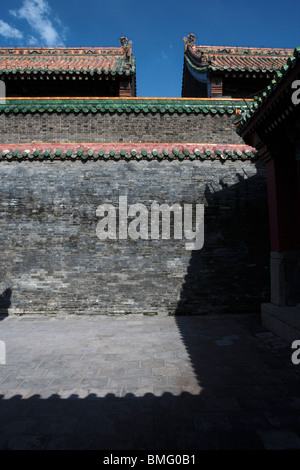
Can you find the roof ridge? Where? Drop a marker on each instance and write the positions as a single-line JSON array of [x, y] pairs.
[[241, 47]]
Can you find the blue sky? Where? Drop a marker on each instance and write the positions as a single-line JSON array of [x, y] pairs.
[[156, 28]]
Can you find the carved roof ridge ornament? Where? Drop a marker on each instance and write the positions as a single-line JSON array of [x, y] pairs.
[[126, 49], [241, 51], [204, 59], [189, 41]]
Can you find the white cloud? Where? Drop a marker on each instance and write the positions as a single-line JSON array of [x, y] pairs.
[[32, 41], [36, 13], [8, 31]]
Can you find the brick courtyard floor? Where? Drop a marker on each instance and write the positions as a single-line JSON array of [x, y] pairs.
[[159, 383]]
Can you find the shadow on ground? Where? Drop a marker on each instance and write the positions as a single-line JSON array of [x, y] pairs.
[[248, 399], [129, 423]]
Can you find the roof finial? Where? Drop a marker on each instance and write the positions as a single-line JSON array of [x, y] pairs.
[[126, 48], [123, 41], [189, 40]]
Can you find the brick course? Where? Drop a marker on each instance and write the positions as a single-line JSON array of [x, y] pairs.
[[114, 127]]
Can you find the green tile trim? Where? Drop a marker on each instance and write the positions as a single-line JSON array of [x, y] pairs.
[[119, 105]]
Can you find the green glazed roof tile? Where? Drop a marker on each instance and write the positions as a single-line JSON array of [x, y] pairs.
[[127, 105]]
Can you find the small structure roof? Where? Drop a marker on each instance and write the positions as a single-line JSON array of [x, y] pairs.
[[106, 60], [233, 59]]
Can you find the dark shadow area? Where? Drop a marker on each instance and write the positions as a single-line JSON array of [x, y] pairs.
[[5, 303], [62, 88], [230, 274], [129, 423]]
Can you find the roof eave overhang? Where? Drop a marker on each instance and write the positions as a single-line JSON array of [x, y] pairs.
[[278, 92]]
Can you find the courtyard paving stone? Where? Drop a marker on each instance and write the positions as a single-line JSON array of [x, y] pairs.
[[138, 382]]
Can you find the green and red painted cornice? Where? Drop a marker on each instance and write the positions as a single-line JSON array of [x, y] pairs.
[[124, 105], [127, 152]]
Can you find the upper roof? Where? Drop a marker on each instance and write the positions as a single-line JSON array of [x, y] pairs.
[[233, 59], [106, 60], [281, 86]]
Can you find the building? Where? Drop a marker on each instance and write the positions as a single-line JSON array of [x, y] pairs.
[[272, 126], [233, 72], [66, 72], [67, 150]]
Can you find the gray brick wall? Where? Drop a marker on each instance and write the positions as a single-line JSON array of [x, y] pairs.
[[113, 127], [53, 262]]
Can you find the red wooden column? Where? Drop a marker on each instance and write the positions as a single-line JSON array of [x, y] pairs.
[[284, 216]]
